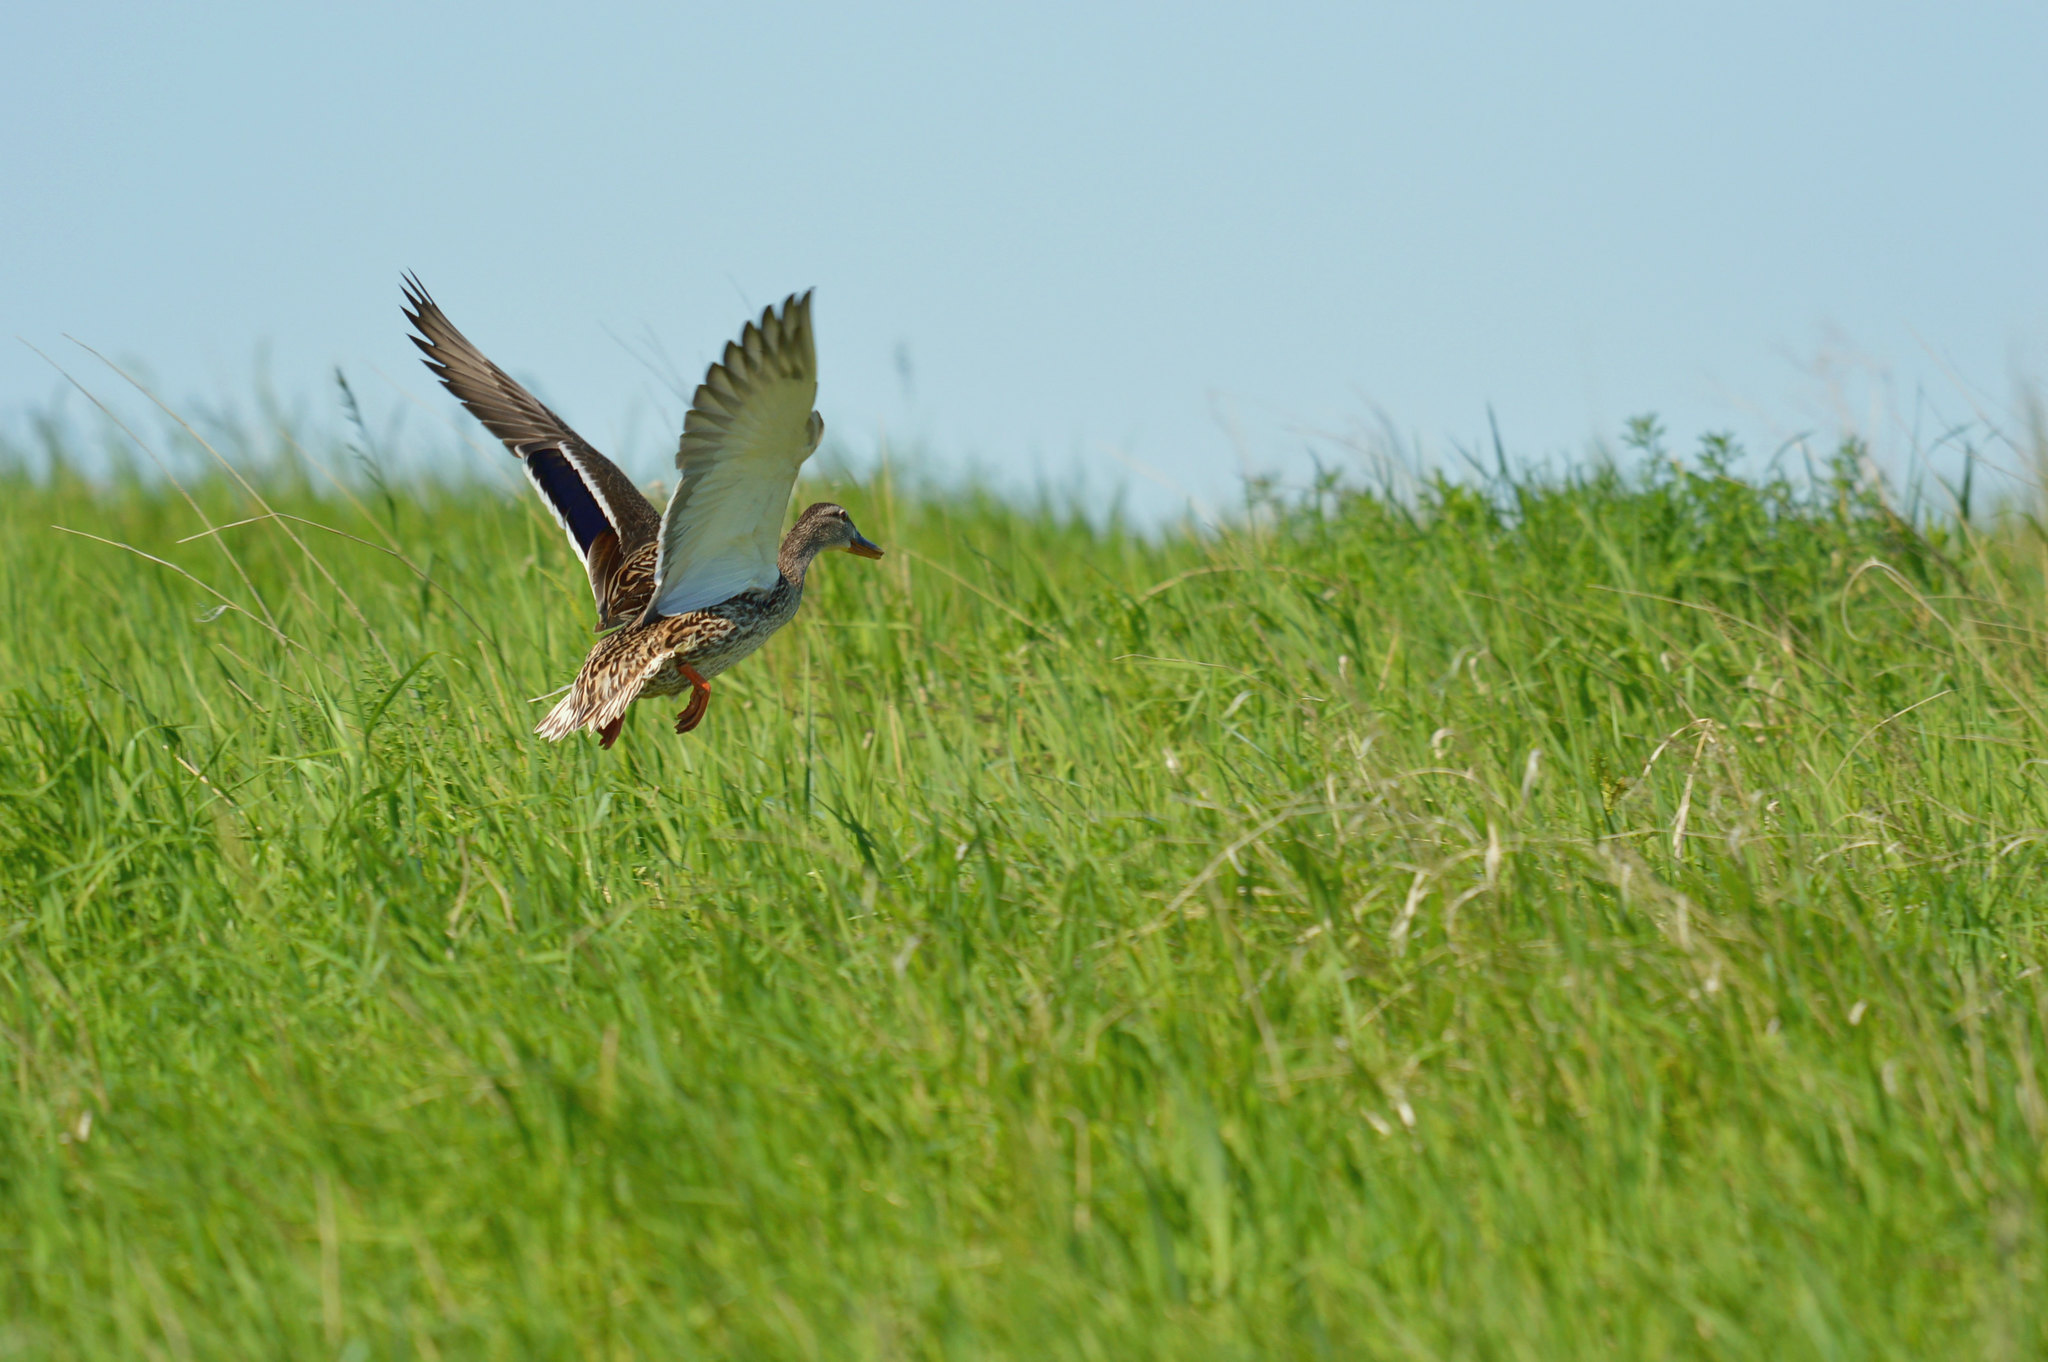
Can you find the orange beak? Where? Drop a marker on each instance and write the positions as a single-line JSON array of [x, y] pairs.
[[861, 548]]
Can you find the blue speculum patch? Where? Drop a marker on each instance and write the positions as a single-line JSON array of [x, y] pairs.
[[564, 487]]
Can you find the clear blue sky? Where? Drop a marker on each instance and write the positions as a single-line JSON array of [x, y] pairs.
[[1046, 235]]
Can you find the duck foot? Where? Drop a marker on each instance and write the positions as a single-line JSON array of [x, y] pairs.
[[609, 734], [700, 700]]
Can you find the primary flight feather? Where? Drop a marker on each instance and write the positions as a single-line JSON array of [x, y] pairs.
[[612, 527], [749, 429]]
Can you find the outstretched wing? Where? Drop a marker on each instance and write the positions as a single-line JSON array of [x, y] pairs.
[[607, 519], [749, 429]]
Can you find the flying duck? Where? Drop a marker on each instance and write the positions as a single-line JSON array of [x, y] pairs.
[[691, 590]]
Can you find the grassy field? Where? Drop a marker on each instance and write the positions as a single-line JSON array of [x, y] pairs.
[[1601, 917]]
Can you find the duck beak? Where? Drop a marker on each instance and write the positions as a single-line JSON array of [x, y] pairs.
[[861, 548]]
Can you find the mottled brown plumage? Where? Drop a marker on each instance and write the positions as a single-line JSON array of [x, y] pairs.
[[672, 653], [704, 583]]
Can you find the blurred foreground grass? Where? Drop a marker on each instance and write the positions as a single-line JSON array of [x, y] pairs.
[[1592, 918]]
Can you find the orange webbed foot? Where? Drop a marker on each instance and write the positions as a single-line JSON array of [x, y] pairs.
[[700, 700]]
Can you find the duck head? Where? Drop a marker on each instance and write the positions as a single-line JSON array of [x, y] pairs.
[[824, 526]]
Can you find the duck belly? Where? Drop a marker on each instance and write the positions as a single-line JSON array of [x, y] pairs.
[[754, 615], [710, 662]]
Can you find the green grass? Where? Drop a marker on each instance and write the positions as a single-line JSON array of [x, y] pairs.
[[1591, 918]]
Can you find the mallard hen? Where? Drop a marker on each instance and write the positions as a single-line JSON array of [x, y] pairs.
[[705, 583]]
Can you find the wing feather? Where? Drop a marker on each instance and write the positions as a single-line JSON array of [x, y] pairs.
[[749, 429], [607, 519]]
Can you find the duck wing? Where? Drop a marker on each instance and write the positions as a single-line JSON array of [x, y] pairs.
[[608, 521], [750, 427]]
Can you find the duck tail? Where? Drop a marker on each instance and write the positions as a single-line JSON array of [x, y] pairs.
[[570, 713], [605, 688]]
